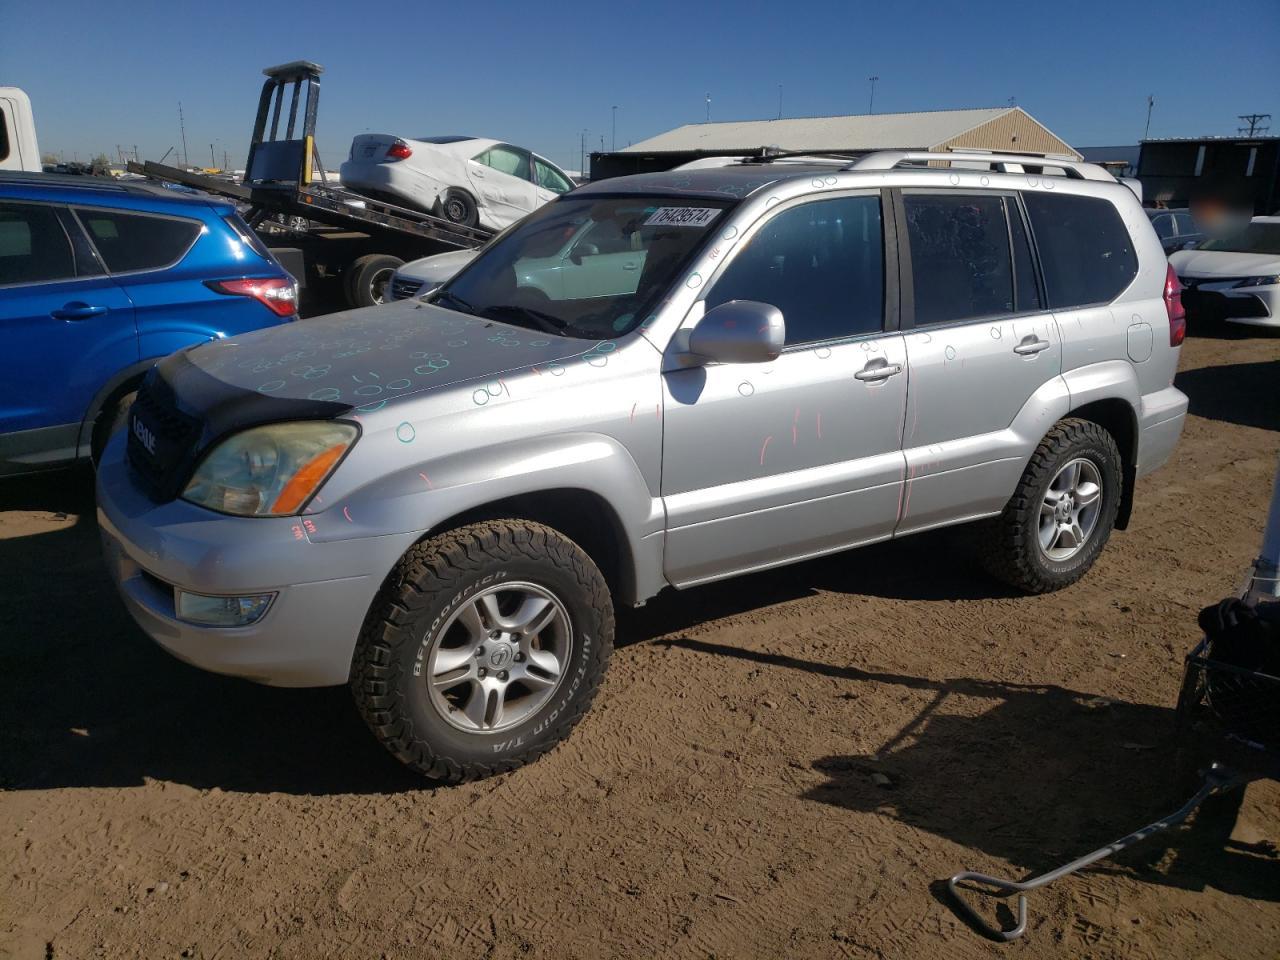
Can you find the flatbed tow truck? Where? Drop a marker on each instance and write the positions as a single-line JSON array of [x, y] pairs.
[[337, 243]]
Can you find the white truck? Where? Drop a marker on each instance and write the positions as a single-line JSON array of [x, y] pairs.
[[18, 147]]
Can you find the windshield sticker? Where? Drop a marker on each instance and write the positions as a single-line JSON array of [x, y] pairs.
[[682, 216]]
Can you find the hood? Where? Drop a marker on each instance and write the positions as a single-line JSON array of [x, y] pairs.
[[439, 268], [1215, 263], [368, 357]]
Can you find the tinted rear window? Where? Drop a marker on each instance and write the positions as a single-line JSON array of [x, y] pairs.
[[135, 241], [1086, 253]]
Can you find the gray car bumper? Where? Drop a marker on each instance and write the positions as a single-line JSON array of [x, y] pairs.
[[323, 590], [1164, 413]]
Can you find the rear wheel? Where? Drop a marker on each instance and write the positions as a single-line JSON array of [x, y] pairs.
[[368, 279], [1061, 515], [459, 207], [484, 649]]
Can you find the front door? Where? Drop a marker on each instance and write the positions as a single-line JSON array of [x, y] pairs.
[[767, 463], [979, 343], [503, 180], [66, 329]]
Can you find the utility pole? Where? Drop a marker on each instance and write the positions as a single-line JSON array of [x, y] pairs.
[[708, 108], [1151, 102], [182, 125], [871, 105], [779, 101], [1013, 101], [613, 143], [582, 152], [213, 161], [1256, 126]]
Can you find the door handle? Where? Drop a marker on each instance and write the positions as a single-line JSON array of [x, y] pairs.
[[1030, 345], [878, 370], [77, 311], [629, 266]]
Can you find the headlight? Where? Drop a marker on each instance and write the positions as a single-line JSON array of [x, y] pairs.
[[270, 471], [1258, 282]]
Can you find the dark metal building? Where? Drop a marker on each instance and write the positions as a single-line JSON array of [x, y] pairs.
[[1236, 171]]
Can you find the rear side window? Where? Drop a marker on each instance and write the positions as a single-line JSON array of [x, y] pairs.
[[961, 267], [136, 241], [1085, 251], [821, 264], [4, 136], [506, 160], [33, 246]]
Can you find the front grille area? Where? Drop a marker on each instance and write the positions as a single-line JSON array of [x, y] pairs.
[[162, 470], [402, 288]]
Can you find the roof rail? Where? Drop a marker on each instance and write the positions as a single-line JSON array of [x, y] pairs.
[[1000, 162]]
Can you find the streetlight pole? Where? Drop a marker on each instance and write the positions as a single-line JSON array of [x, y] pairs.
[[871, 105], [582, 152], [779, 101], [1151, 102], [613, 143], [708, 108]]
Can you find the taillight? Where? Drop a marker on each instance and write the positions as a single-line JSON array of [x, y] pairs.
[[277, 294], [399, 151], [1173, 306]]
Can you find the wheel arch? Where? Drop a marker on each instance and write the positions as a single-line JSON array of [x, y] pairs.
[[117, 386], [1119, 419], [582, 515]]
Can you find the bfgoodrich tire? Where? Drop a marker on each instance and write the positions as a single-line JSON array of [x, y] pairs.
[[483, 650], [1062, 513]]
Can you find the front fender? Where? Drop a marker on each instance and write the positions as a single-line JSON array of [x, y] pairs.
[[422, 497]]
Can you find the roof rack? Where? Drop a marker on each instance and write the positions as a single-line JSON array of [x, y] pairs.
[[994, 160]]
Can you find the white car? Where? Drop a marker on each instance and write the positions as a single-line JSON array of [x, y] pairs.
[[1235, 276], [467, 180], [601, 261]]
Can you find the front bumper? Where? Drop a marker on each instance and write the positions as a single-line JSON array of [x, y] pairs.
[[1211, 300], [323, 590]]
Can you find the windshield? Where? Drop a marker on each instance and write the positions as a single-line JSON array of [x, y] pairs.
[[589, 267], [1256, 237]]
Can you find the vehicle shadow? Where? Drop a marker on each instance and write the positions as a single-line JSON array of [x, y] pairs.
[[1034, 774], [1240, 393], [87, 699]]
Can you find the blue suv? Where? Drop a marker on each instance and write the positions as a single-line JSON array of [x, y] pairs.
[[98, 280]]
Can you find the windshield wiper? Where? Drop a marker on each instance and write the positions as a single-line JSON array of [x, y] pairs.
[[460, 305], [545, 321]]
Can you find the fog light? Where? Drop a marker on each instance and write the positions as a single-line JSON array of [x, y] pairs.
[[221, 611]]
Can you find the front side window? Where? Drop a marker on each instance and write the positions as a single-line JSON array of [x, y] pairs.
[[506, 160], [33, 245], [820, 263], [1164, 226], [961, 267], [583, 266], [1186, 224], [135, 241], [549, 178], [1086, 253]]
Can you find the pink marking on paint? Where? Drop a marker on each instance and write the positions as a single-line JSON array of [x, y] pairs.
[[795, 424], [346, 512], [297, 532], [309, 525], [537, 371], [763, 448], [657, 411], [427, 480], [633, 412], [819, 424], [906, 507]]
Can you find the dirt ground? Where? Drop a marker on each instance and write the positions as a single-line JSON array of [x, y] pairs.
[[784, 765]]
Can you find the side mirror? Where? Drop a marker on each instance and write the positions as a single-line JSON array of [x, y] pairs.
[[1190, 245], [582, 250], [739, 331]]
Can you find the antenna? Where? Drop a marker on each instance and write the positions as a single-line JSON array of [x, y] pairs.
[[1151, 102], [871, 104], [1256, 126]]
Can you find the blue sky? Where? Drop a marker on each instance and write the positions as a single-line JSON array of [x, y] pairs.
[[538, 73]]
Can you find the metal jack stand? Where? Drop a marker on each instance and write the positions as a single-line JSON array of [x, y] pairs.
[[1218, 779], [1241, 705]]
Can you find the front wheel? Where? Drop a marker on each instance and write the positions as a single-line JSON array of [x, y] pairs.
[[1061, 515], [484, 649]]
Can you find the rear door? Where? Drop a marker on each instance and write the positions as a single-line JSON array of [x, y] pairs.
[[65, 326], [144, 253], [980, 342], [764, 463], [503, 180]]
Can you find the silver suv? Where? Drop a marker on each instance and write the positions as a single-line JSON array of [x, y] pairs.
[[440, 500]]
